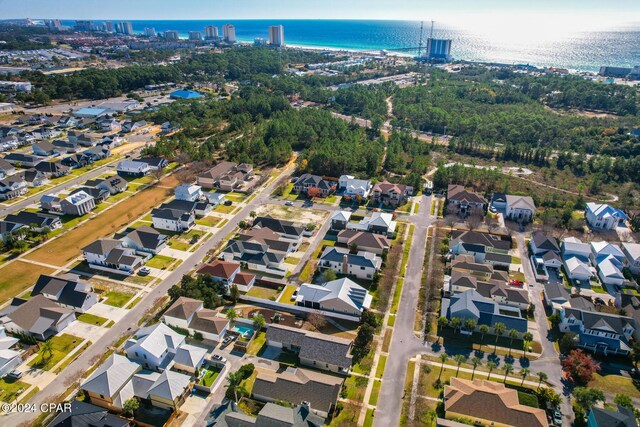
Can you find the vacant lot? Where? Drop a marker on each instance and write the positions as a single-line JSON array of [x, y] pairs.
[[295, 214], [17, 276], [117, 299], [68, 246]]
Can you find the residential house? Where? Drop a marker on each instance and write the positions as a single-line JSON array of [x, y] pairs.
[[482, 246], [297, 385], [339, 296], [597, 331], [496, 290], [108, 124], [260, 250], [339, 220], [541, 243], [72, 294], [78, 160], [632, 256], [378, 222], [191, 315], [314, 349], [37, 220], [66, 122], [488, 403], [177, 215], [362, 265], [22, 160], [318, 185], [46, 149], [38, 317], [155, 163], [354, 187], [33, 177], [603, 217], [464, 201], [167, 390], [189, 358], [97, 153], [133, 168], [53, 169], [390, 194], [82, 414], [9, 143], [226, 176], [271, 414], [78, 204], [575, 258], [188, 192], [520, 208], [114, 184], [214, 199], [154, 346], [145, 239], [9, 358], [6, 168], [363, 240], [471, 305], [109, 386], [556, 296], [602, 417], [287, 230], [13, 186], [110, 255], [228, 273], [8, 228], [99, 194], [609, 260], [51, 203], [66, 146]]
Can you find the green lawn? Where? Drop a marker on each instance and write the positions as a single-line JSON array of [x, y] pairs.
[[176, 244], [375, 391], [160, 262], [354, 387], [10, 389], [248, 383], [285, 298], [224, 209], [307, 271], [208, 221], [117, 299], [61, 346], [382, 361], [209, 376], [516, 260], [257, 343], [262, 292], [91, 319], [133, 303], [396, 296], [391, 320], [517, 275], [599, 290], [614, 384], [292, 260]]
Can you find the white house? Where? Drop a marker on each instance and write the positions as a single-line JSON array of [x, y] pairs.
[[215, 199], [362, 265], [354, 187], [9, 359], [110, 255], [154, 346], [603, 216], [572, 246], [339, 296], [609, 271], [602, 250], [177, 215], [577, 269], [632, 256], [133, 168], [188, 192], [378, 222], [520, 208]]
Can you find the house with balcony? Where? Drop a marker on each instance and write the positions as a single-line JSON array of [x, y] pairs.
[[321, 186], [78, 204], [261, 250], [479, 245], [177, 215], [363, 265], [464, 201], [110, 255], [389, 194]]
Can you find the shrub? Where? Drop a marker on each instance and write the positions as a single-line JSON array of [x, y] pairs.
[[246, 370]]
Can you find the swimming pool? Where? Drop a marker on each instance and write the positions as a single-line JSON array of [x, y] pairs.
[[243, 330]]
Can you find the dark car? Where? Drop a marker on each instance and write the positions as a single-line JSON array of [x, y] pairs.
[[228, 202]]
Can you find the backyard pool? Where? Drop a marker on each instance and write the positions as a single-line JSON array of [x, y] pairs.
[[243, 330]]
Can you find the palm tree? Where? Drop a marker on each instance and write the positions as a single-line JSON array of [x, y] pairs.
[[455, 323], [513, 334], [527, 340], [470, 325], [476, 361], [524, 372], [491, 366], [542, 376], [460, 359], [46, 348], [443, 358], [442, 322], [484, 329], [508, 368], [234, 379], [498, 329]]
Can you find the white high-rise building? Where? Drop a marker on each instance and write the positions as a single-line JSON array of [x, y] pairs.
[[211, 32], [108, 26], [171, 35], [150, 32], [127, 28], [229, 33], [276, 35], [195, 35]]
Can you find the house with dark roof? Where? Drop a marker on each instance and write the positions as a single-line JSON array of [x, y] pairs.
[[497, 290], [471, 305], [66, 146], [6, 168], [286, 229], [190, 314], [339, 296], [46, 148], [226, 176], [77, 160], [177, 215], [69, 293], [321, 186], [82, 414], [271, 415], [53, 169], [541, 243], [556, 296], [155, 163], [464, 201], [229, 274], [99, 194], [484, 402], [362, 265], [114, 184], [110, 255], [316, 350], [363, 240], [601, 417], [38, 220], [480, 245], [38, 317], [23, 160], [389, 194], [596, 331], [145, 239], [13, 186], [297, 385]]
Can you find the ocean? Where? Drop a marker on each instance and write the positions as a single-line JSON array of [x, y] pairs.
[[585, 51]]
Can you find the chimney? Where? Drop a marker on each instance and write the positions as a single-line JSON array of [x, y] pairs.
[[306, 405], [345, 264]]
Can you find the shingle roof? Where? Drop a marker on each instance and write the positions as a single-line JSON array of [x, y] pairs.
[[183, 308], [189, 355], [460, 194], [221, 269], [623, 417], [72, 293], [542, 241], [207, 320], [158, 338], [147, 237], [365, 239], [278, 225], [84, 414], [38, 314]]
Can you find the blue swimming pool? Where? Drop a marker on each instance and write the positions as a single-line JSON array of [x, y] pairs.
[[242, 330]]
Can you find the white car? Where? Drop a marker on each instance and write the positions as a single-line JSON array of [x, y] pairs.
[[288, 203], [219, 358]]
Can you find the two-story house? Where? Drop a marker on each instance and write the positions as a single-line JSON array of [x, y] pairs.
[[229, 274], [154, 346], [464, 201], [190, 314], [110, 255], [362, 265], [350, 186], [177, 215], [603, 217], [318, 185], [389, 194]]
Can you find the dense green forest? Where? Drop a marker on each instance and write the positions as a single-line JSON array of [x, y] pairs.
[[24, 38]]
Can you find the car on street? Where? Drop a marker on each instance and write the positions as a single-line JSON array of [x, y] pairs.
[[557, 417], [144, 271], [288, 203]]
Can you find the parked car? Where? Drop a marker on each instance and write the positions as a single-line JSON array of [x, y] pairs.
[[294, 295], [516, 282], [227, 340], [557, 417], [15, 374], [492, 209], [288, 203], [219, 358], [598, 301], [144, 271], [228, 202]]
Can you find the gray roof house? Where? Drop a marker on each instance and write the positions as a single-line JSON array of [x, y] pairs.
[[154, 346], [38, 316], [84, 414], [541, 243], [362, 265], [110, 255], [622, 417], [72, 294], [314, 349], [145, 239], [339, 296], [271, 415], [105, 386]]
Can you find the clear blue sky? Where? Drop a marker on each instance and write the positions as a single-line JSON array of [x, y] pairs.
[[586, 11]]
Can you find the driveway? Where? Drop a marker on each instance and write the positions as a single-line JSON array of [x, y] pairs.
[[108, 311], [85, 330]]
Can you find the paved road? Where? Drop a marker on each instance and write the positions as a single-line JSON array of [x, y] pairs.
[[130, 320], [404, 343]]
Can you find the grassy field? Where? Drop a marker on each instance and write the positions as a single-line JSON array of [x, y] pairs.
[[68, 246], [160, 262], [209, 221], [117, 299], [17, 276], [285, 298], [391, 320], [615, 384], [91, 319], [355, 387], [224, 209], [61, 346], [9, 389]]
